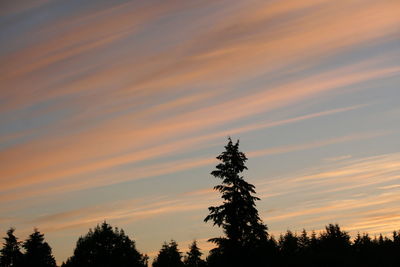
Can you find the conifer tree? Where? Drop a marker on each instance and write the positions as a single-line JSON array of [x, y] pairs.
[[37, 251], [10, 254], [193, 257], [169, 256], [237, 215]]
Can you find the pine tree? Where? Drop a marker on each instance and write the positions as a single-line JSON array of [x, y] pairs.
[[37, 251], [169, 256], [334, 246], [304, 240], [193, 257], [289, 248], [238, 215], [10, 255]]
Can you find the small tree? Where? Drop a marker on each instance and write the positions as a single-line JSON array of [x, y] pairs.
[[193, 257], [10, 255], [169, 256], [104, 247], [334, 245], [37, 251], [238, 215], [289, 248]]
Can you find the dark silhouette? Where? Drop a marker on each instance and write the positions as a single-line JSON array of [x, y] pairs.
[[37, 251], [289, 247], [106, 247], [334, 246], [238, 216], [168, 256], [10, 255], [193, 256]]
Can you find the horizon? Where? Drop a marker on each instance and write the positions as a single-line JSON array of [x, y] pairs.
[[116, 111]]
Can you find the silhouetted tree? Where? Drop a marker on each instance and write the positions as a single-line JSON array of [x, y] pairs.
[[334, 246], [303, 240], [37, 251], [168, 256], [10, 254], [364, 250], [289, 248], [304, 246], [106, 247], [238, 215], [193, 256]]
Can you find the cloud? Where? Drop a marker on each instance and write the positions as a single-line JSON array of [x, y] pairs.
[[60, 182], [47, 166], [111, 92], [340, 191], [314, 144], [369, 211], [338, 158]]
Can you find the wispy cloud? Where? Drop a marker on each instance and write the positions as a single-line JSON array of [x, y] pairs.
[[314, 144], [65, 178], [331, 195], [104, 93]]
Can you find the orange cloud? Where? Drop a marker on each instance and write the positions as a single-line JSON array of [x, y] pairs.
[[331, 185], [314, 144]]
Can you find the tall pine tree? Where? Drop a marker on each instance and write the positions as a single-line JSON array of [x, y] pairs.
[[243, 228]]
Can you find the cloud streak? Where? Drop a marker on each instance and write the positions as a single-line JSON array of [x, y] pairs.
[[107, 95]]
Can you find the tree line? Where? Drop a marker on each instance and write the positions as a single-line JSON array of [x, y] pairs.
[[246, 241]]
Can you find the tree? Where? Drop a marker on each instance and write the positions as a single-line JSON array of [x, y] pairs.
[[168, 256], [37, 251], [244, 231], [334, 246], [10, 255], [193, 257], [289, 247], [106, 247]]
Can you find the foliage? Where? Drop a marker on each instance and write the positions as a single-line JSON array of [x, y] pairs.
[[37, 251], [193, 256], [168, 256], [10, 255], [106, 247]]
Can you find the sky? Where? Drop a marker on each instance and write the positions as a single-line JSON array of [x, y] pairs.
[[116, 110]]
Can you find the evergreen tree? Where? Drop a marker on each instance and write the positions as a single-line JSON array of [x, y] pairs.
[[37, 251], [238, 215], [334, 246], [169, 256], [10, 255], [193, 257], [106, 247], [289, 248], [304, 243], [364, 250], [304, 240]]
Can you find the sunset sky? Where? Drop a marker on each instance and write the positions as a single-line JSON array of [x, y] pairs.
[[116, 110]]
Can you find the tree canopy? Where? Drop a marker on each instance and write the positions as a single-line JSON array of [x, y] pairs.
[[10, 255], [37, 251], [169, 256], [106, 247], [193, 256]]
